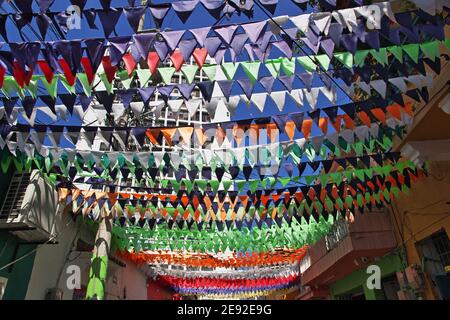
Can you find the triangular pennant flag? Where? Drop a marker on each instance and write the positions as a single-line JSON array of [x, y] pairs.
[[189, 72]]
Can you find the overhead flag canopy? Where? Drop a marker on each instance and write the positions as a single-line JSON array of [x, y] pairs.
[[231, 147]]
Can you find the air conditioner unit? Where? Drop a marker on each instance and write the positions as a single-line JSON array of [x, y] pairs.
[[54, 294]]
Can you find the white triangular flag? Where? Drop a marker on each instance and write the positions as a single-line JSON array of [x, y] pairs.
[[259, 100], [279, 97]]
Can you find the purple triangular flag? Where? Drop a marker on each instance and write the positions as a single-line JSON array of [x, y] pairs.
[[200, 34], [186, 90], [146, 94], [254, 30], [43, 22], [105, 99], [280, 121], [373, 39], [95, 49], [126, 97], [335, 32], [172, 38], [143, 43], [159, 12], [212, 44], [226, 33], [28, 105], [187, 47], [10, 103], [287, 81], [161, 49], [225, 86], [85, 101], [108, 19], [184, 9], [247, 87], [238, 43], [118, 47], [44, 4], [328, 47], [166, 91], [79, 3], [90, 15], [267, 83], [306, 78], [262, 55], [264, 41], [214, 7], [218, 57], [106, 4], [349, 41], [298, 120], [284, 48], [134, 16], [206, 88]]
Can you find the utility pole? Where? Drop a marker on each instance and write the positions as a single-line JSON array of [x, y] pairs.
[[99, 264]]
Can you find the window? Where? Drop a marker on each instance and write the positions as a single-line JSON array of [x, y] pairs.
[[390, 287], [3, 282], [442, 245]]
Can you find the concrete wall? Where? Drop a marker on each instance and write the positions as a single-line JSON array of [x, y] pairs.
[[423, 212], [50, 260], [50, 269]]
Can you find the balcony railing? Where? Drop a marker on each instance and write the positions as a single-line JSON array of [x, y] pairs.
[[338, 232]]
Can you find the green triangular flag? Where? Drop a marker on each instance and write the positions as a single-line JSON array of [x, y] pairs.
[[210, 71], [274, 67], [397, 51], [346, 58], [52, 88], [288, 66], [360, 56], [241, 185], [126, 81], [253, 185], [189, 72], [87, 88], [447, 43], [307, 63], [430, 49], [32, 86], [229, 69], [166, 74], [9, 86], [108, 85], [251, 69], [284, 181], [69, 88], [214, 185], [380, 56], [412, 50], [324, 61], [201, 185], [144, 76]]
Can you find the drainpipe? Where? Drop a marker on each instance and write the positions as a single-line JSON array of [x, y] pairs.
[[99, 262]]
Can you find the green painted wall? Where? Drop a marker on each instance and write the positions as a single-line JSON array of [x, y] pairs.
[[356, 281], [18, 275]]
